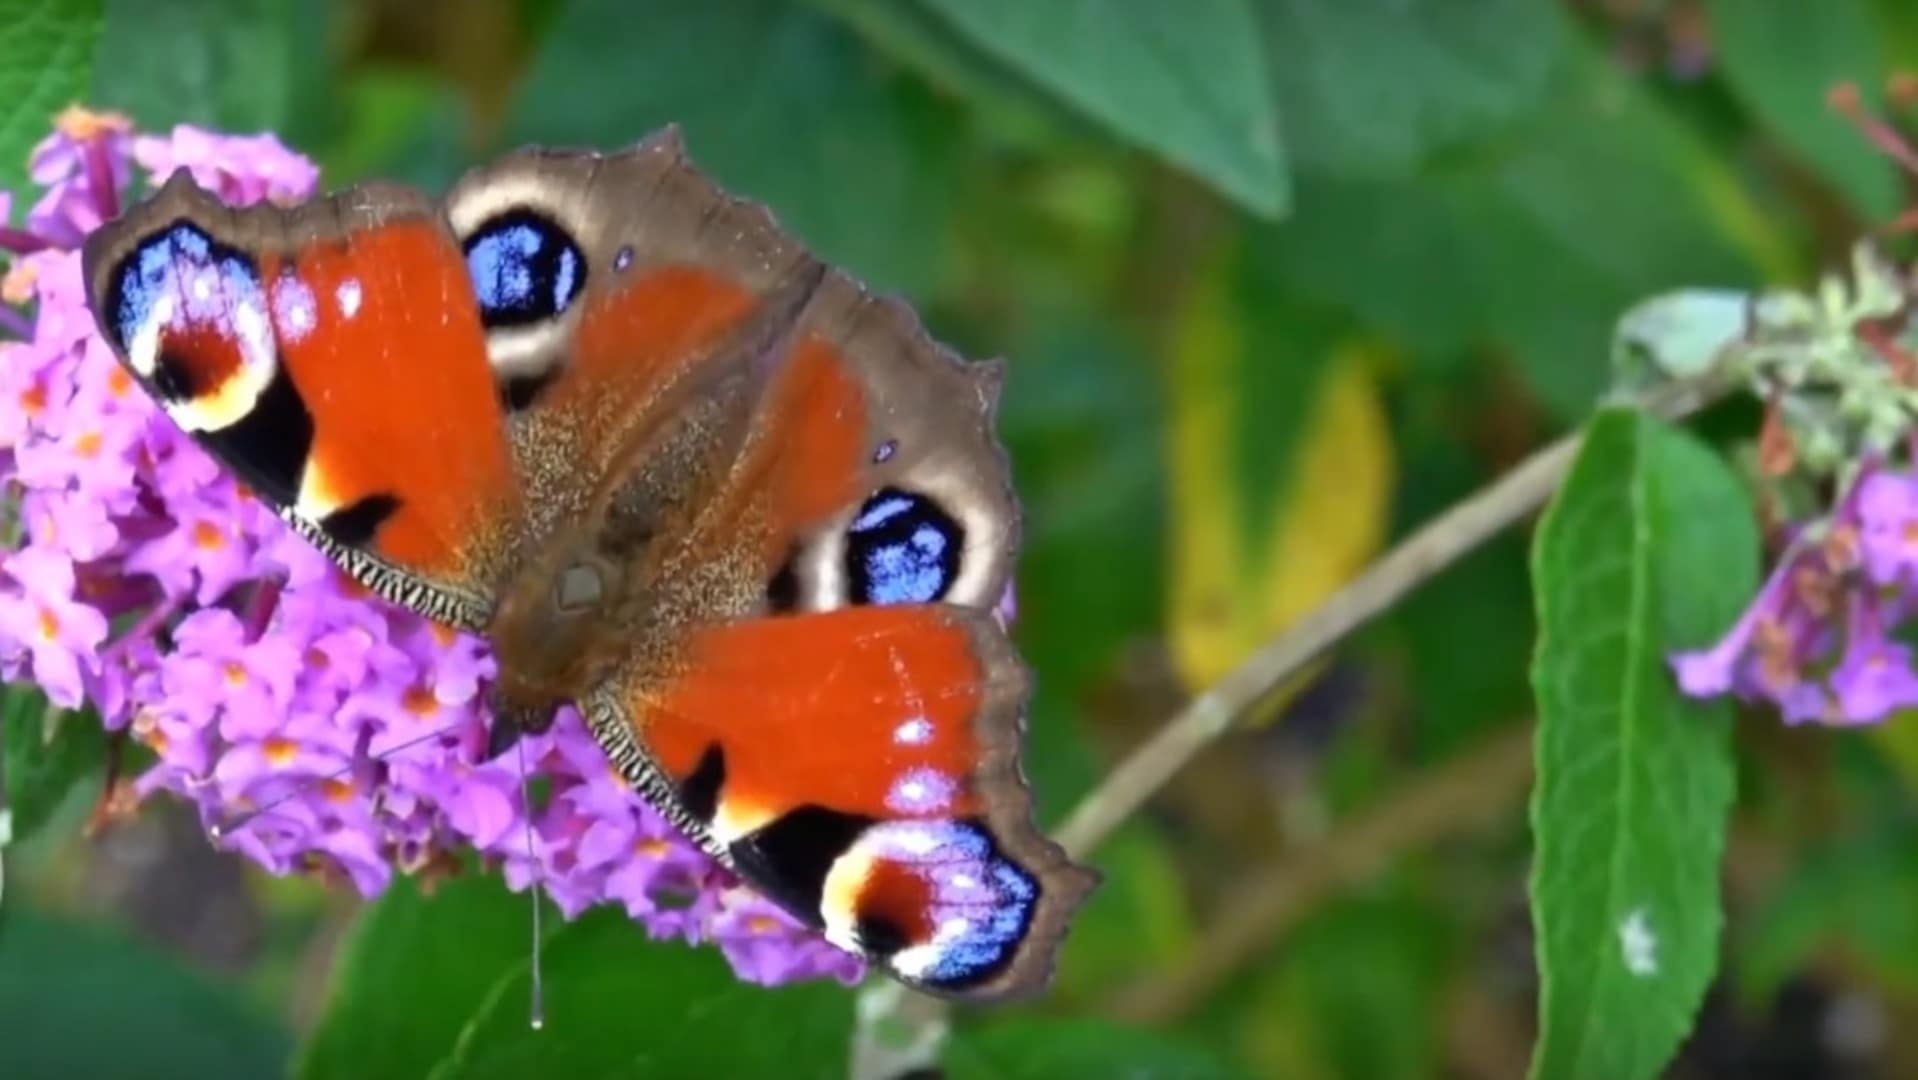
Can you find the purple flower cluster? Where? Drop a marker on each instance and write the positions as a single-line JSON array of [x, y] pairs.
[[317, 728], [1819, 640]]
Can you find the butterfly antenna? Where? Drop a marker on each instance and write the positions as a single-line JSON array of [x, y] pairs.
[[537, 1007], [221, 829]]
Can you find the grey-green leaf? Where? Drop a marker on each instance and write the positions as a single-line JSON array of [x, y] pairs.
[[1034, 1048], [620, 1005], [1374, 89], [1782, 64], [46, 58], [780, 103], [1648, 548], [440, 954], [78, 1000], [43, 753], [226, 64], [1187, 81]]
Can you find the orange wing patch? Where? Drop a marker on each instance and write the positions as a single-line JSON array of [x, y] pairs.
[[381, 337], [820, 412], [867, 711]]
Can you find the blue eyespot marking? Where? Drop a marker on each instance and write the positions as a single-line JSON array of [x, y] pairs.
[[979, 903], [902, 549], [525, 269], [180, 261]]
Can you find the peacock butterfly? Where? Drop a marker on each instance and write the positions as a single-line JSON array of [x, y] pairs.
[[747, 517]]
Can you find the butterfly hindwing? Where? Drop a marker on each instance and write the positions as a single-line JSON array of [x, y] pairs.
[[331, 356], [860, 767]]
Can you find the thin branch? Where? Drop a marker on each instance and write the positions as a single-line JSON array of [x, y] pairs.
[[1415, 560], [1456, 795]]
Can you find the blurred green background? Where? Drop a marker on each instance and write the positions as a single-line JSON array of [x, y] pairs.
[[1277, 281]]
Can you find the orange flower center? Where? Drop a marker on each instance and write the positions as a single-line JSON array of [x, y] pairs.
[[207, 536], [49, 626], [80, 124], [419, 700], [280, 751]]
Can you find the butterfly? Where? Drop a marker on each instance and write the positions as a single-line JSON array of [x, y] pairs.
[[749, 518]]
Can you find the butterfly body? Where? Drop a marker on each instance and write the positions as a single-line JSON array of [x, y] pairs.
[[748, 518]]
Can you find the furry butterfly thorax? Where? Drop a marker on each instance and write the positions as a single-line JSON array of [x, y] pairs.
[[747, 517]]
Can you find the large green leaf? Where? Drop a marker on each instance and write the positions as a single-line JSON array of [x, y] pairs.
[[917, 37], [233, 65], [44, 753], [1854, 892], [411, 973], [780, 103], [1187, 81], [79, 1000], [619, 1005], [1034, 1049], [1376, 89], [46, 58], [1540, 246], [1092, 568], [1648, 548], [1782, 58]]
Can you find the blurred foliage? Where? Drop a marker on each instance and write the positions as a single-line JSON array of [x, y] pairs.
[[1278, 281]]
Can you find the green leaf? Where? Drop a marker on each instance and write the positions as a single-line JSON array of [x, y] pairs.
[[1461, 694], [1186, 81], [439, 954], [80, 1000], [778, 102], [45, 753], [910, 33], [1375, 89], [1357, 990], [1142, 922], [1540, 246], [1855, 891], [1648, 548], [619, 1005], [1781, 58], [1092, 569], [225, 64], [1035, 1049], [46, 58], [399, 124]]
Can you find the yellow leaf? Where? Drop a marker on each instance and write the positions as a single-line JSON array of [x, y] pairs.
[[1237, 582]]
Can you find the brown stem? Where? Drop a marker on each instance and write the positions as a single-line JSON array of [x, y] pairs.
[[1468, 789], [1415, 560]]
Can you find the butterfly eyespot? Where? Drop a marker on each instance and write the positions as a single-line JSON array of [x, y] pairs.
[[525, 268], [624, 258], [579, 589], [902, 548], [936, 898]]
